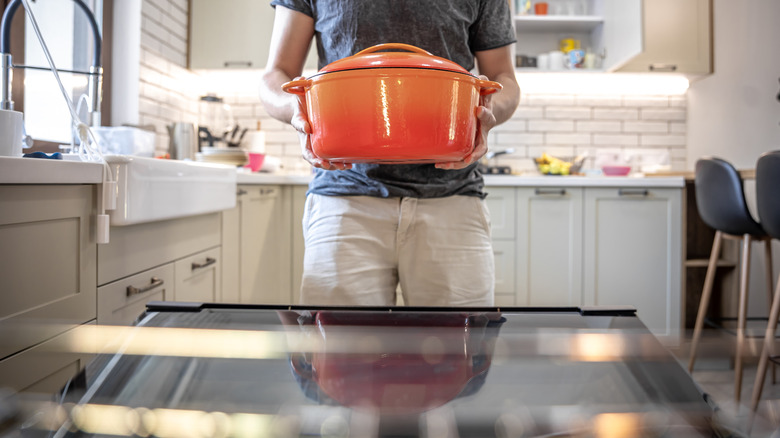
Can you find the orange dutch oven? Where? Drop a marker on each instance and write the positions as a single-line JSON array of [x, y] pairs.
[[404, 106]]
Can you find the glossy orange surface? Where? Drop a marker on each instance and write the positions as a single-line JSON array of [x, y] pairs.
[[393, 115]]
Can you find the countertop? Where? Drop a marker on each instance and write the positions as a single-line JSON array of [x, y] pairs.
[[500, 180], [18, 170]]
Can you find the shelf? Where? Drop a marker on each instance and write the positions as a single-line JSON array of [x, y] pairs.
[[702, 263], [557, 23]]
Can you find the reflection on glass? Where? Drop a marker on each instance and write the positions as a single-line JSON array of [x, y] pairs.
[[435, 359]]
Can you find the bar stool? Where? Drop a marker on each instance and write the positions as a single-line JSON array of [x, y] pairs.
[[768, 200], [720, 200]]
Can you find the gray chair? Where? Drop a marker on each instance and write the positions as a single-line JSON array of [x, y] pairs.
[[768, 202], [720, 200]]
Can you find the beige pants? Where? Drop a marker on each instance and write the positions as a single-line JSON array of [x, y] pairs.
[[360, 248]]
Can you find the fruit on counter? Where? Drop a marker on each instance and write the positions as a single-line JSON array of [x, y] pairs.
[[549, 165]]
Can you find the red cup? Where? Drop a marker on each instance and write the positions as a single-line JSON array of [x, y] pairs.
[[540, 8]]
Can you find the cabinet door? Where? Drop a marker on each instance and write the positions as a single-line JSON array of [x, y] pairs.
[[633, 253], [265, 246], [501, 205], [123, 301], [233, 34], [549, 246], [620, 38], [231, 257], [677, 37], [47, 262], [298, 244], [504, 256], [197, 277]]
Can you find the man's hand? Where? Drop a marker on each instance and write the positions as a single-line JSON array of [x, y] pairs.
[[486, 120], [300, 121]]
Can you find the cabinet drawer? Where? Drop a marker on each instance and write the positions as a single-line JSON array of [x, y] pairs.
[[46, 367], [121, 302], [198, 277], [501, 204]]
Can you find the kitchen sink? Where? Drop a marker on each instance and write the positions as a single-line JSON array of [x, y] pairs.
[[152, 189]]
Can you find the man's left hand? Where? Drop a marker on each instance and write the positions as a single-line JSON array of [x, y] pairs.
[[485, 122]]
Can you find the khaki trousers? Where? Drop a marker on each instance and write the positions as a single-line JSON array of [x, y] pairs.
[[359, 249]]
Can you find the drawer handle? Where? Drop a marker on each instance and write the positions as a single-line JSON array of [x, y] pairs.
[[238, 63], [132, 290], [550, 192], [209, 261], [629, 192], [663, 67], [241, 192]]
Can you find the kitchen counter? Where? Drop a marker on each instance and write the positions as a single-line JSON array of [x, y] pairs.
[[18, 170], [498, 180]]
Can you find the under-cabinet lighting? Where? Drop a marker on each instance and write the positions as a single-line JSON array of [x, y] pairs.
[[602, 83]]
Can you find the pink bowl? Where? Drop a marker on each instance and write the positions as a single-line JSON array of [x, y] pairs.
[[616, 170], [255, 161]]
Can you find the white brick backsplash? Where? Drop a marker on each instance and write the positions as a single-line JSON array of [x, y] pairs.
[[175, 27], [645, 127], [678, 153], [599, 100], [151, 43], [615, 113], [644, 101], [597, 126], [528, 112], [555, 151], [281, 137], [547, 100], [662, 140], [567, 139], [148, 107], [678, 127], [274, 149], [519, 139], [511, 126], [678, 101], [662, 114], [615, 139], [269, 124], [551, 125], [562, 112]]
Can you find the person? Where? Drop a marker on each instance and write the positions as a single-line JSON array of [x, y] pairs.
[[369, 227]]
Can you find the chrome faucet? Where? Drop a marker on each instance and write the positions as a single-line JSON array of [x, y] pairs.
[[95, 73]]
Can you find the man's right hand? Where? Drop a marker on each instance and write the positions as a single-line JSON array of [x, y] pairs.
[[300, 121]]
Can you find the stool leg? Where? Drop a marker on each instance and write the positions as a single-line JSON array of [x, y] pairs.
[[769, 287], [767, 351], [706, 293], [744, 282]]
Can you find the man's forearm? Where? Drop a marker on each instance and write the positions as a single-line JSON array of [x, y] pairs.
[[505, 101], [278, 104]]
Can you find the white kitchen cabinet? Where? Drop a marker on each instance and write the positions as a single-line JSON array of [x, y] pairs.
[[265, 245], [633, 253], [233, 34], [197, 277], [47, 264], [123, 301], [611, 29], [549, 246], [501, 205], [298, 244], [231, 257], [677, 37]]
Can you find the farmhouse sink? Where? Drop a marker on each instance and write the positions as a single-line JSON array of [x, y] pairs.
[[151, 189]]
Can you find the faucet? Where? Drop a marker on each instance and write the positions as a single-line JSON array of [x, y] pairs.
[[95, 73]]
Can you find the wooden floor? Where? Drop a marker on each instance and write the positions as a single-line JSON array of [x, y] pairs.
[[714, 373]]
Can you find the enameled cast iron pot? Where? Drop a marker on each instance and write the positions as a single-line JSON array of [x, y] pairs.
[[392, 107]]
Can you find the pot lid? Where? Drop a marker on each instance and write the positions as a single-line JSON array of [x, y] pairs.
[[410, 57]]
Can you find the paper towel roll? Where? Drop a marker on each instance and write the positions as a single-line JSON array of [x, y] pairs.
[[255, 142]]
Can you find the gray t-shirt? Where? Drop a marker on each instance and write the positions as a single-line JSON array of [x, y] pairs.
[[452, 29]]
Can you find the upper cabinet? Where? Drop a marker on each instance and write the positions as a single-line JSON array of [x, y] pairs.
[[677, 37], [610, 30], [233, 34], [623, 35]]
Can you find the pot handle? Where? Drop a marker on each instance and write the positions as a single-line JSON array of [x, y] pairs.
[[400, 46], [488, 87], [297, 86]]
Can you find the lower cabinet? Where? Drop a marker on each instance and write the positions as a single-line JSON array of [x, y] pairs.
[[198, 277], [573, 246], [122, 301]]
